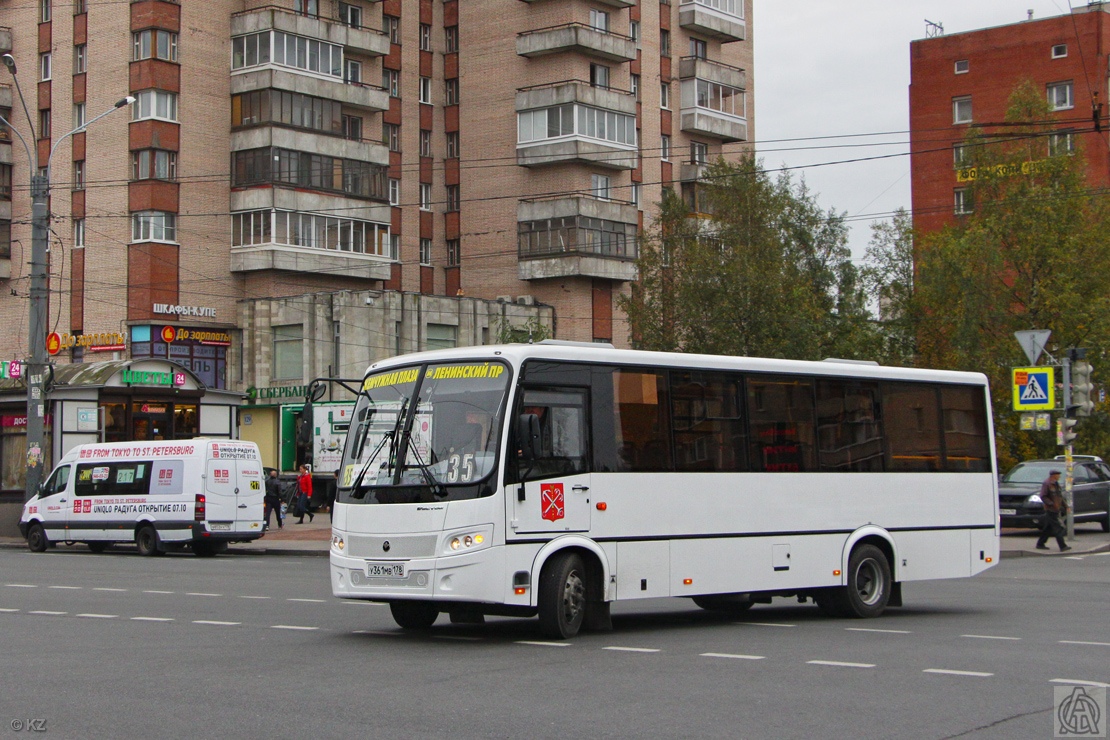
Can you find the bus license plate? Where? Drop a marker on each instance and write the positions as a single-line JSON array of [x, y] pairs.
[[219, 526], [385, 570], [1007, 512]]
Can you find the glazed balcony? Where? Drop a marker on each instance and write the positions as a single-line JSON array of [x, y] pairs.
[[713, 100], [613, 3], [592, 125], [718, 19], [5, 39], [577, 235], [367, 41], [576, 37]]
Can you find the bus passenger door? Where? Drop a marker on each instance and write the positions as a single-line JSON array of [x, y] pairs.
[[555, 496]]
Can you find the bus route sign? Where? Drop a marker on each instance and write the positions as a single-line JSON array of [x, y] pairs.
[[1034, 388]]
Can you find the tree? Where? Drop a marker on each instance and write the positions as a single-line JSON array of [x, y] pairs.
[[887, 277], [1029, 255], [748, 264]]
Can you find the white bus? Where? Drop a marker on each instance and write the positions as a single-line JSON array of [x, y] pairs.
[[556, 478]]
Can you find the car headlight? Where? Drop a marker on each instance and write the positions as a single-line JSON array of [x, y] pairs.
[[1034, 499]]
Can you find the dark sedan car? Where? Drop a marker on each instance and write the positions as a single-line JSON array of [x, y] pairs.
[[1020, 504]]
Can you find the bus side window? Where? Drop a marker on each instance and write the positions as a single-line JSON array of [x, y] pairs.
[[781, 424]]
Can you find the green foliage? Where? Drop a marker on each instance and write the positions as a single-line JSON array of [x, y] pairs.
[[533, 330], [767, 273]]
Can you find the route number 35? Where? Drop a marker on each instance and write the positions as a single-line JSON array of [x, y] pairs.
[[460, 468]]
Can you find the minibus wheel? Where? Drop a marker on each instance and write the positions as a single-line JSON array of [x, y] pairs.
[[562, 595], [414, 615], [37, 540], [146, 539]]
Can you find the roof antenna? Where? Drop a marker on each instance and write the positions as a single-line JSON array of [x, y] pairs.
[[1030, 12], [932, 30]]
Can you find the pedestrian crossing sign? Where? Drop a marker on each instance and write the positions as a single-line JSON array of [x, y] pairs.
[[1034, 388]]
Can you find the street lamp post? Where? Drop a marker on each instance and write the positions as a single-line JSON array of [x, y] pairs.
[[40, 227]]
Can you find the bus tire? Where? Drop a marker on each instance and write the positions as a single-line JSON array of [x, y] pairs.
[[98, 547], [146, 539], [37, 541], [414, 615], [723, 604], [562, 596], [869, 582]]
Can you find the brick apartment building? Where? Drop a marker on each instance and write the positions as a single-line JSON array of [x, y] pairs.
[[305, 186], [962, 80]]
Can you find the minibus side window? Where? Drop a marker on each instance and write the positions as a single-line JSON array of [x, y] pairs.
[[113, 479]]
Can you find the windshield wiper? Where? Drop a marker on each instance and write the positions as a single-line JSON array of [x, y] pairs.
[[429, 478], [390, 437]]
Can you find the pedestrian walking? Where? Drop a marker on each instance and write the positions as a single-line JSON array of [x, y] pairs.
[[304, 494], [272, 499], [1055, 507]]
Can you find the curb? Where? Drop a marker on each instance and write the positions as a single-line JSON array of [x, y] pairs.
[[1051, 553]]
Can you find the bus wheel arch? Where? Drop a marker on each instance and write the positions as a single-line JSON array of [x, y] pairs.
[[594, 561]]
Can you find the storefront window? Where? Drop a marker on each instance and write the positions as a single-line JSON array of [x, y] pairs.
[[115, 422], [185, 422]]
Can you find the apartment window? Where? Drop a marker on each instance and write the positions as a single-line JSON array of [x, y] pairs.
[[454, 199], [636, 192], [600, 186], [307, 7], [962, 66], [442, 336], [664, 95], [154, 104], [570, 119], [78, 233], [290, 109], [721, 98], [699, 152], [273, 165], [287, 50], [665, 148], [1059, 51], [5, 182], [425, 143], [425, 251], [1059, 96], [453, 148], [44, 125], [960, 156], [78, 115], [44, 11], [453, 255], [44, 66], [352, 127], [80, 59], [634, 30], [288, 352], [155, 44], [699, 49], [391, 136], [425, 90], [395, 248], [80, 6], [451, 91], [599, 76], [664, 43], [153, 164], [314, 231], [79, 174], [599, 19], [350, 15], [962, 201], [391, 25], [961, 109], [451, 39], [352, 72], [391, 81], [425, 37], [634, 82], [425, 196], [394, 192], [153, 226], [1061, 143]]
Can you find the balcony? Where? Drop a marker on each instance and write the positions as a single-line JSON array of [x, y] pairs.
[[281, 137], [577, 235], [713, 101], [353, 94], [692, 171], [577, 37], [718, 19], [370, 42], [613, 3], [5, 39], [572, 121], [5, 134]]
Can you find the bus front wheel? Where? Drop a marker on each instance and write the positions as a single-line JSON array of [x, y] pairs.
[[414, 615], [562, 596]]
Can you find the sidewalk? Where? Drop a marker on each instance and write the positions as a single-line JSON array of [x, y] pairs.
[[1020, 543]]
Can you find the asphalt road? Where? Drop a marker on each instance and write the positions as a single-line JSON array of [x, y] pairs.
[[249, 646]]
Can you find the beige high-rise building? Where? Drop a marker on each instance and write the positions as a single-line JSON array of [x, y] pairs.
[[305, 186]]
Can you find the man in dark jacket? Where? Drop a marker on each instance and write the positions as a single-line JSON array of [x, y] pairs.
[[273, 499], [1054, 507]]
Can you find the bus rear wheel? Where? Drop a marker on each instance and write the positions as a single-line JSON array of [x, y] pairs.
[[37, 540], [146, 539], [562, 596], [868, 590], [414, 615]]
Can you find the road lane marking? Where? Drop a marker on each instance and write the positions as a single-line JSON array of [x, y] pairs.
[[840, 664], [948, 672], [255, 597], [157, 592], [48, 613], [732, 655], [310, 601], [537, 643], [766, 624], [1073, 557], [8, 611], [98, 616], [216, 623], [1081, 682], [21, 585], [151, 619], [292, 627], [119, 590], [631, 649], [67, 588], [991, 637], [200, 593], [1084, 642], [872, 629]]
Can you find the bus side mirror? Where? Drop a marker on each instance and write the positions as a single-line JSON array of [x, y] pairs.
[[528, 436]]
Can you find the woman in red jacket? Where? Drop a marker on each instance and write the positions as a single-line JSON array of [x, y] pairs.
[[304, 495]]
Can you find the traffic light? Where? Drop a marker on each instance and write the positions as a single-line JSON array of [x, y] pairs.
[[1065, 431], [1082, 403]]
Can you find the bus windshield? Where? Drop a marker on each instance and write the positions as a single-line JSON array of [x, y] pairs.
[[423, 434]]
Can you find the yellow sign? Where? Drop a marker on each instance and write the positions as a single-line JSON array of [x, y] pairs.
[[970, 174], [1034, 388]]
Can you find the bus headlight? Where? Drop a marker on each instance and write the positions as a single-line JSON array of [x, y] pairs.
[[466, 541], [337, 542]]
